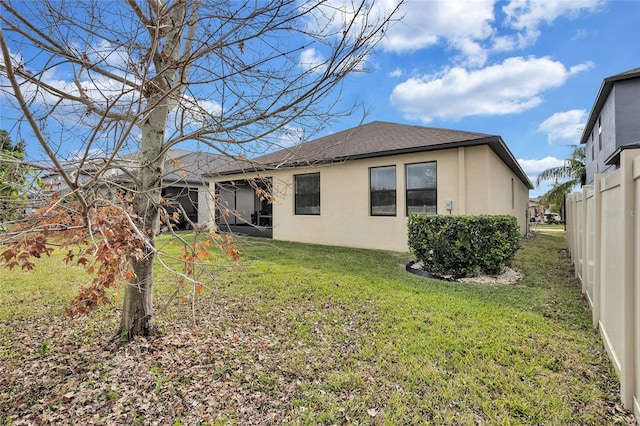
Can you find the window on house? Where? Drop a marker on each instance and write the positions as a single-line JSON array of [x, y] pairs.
[[513, 194], [422, 188], [382, 183], [599, 133], [307, 194]]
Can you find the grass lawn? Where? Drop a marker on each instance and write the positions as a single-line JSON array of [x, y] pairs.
[[301, 334], [542, 227]]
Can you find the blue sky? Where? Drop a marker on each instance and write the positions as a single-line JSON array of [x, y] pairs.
[[527, 71]]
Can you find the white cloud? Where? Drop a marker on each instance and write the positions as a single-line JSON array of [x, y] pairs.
[[472, 53], [503, 44], [396, 73], [106, 54], [580, 34], [289, 136], [459, 25], [424, 23], [469, 26], [331, 19], [17, 60], [191, 112], [564, 127], [311, 59], [529, 14], [466, 27], [103, 92], [211, 107], [526, 16], [580, 67], [417, 25], [511, 87], [534, 167]]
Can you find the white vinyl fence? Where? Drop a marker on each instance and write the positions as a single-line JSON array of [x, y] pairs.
[[603, 234]]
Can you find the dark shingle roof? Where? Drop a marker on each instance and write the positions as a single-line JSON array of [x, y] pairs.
[[184, 166], [192, 167], [369, 140], [375, 139], [603, 94]]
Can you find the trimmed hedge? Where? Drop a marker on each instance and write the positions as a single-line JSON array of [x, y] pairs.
[[464, 246]]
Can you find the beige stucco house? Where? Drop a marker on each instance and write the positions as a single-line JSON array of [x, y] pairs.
[[355, 188]]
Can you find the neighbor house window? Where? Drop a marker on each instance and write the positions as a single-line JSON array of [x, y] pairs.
[[599, 133], [422, 188], [383, 191], [307, 193]]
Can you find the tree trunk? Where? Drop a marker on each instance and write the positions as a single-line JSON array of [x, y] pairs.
[[137, 310], [137, 313]]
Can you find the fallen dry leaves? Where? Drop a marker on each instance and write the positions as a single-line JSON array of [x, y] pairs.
[[252, 360], [228, 369]]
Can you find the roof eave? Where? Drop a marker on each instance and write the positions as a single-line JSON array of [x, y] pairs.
[[601, 98], [494, 142], [614, 158]]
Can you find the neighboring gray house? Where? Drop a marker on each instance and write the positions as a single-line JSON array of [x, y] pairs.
[[183, 180], [613, 124]]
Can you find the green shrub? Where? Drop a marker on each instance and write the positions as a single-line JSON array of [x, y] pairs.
[[464, 245]]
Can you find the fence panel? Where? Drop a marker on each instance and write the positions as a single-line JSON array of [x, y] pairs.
[[611, 270], [603, 236], [636, 261], [589, 255], [579, 237]]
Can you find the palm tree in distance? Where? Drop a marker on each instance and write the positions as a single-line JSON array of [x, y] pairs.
[[572, 173]]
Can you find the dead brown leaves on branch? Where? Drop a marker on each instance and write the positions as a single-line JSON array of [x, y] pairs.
[[107, 259], [103, 241]]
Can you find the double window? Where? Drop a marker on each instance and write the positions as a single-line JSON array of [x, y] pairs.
[[422, 188], [307, 194], [382, 186]]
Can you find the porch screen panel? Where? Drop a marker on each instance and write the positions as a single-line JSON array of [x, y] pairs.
[[245, 205], [226, 203], [383, 191], [422, 193], [307, 194]]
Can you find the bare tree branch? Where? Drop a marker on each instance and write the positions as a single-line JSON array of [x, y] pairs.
[[109, 92]]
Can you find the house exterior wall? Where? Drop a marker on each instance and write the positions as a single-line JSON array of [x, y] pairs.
[[627, 112], [507, 194], [618, 124], [477, 171], [607, 132], [602, 141], [465, 176], [205, 205]]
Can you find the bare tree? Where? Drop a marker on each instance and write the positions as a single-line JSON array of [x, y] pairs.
[[103, 79]]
